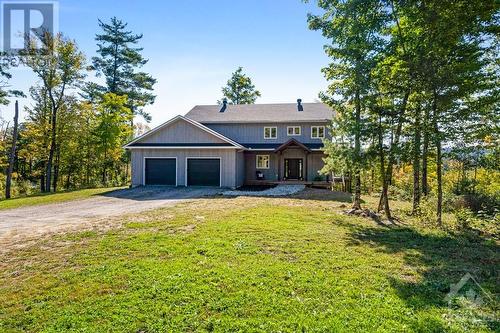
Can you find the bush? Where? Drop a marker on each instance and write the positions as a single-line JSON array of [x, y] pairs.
[[427, 214], [465, 218], [400, 192], [482, 203]]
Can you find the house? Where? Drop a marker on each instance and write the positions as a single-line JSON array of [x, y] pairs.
[[233, 145]]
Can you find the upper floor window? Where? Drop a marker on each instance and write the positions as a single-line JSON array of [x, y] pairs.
[[317, 132], [293, 130], [270, 132]]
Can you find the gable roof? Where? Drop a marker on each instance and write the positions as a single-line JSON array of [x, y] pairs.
[[261, 113], [135, 143], [291, 143]]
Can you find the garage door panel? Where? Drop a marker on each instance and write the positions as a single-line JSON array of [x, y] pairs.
[[203, 172], [160, 171]]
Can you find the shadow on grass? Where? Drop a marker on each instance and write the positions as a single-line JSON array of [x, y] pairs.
[[440, 259], [324, 195]]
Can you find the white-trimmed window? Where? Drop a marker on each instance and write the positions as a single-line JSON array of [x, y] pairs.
[[293, 130], [317, 132], [270, 132], [262, 161]]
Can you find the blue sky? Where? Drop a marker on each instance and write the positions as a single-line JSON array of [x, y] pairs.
[[194, 45]]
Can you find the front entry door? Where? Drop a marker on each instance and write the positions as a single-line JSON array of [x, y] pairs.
[[293, 168]]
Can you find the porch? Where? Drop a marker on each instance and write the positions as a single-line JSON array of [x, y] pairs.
[[288, 163]]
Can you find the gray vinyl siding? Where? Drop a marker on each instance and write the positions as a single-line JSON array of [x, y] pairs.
[[254, 133], [315, 164], [270, 174], [181, 132], [228, 163], [240, 169]]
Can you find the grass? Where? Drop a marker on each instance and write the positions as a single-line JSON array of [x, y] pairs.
[[246, 264], [48, 198]]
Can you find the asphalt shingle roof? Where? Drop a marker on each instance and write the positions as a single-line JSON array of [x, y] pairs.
[[258, 113]]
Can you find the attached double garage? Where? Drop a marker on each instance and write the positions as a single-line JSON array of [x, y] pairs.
[[182, 152], [187, 167], [199, 171]]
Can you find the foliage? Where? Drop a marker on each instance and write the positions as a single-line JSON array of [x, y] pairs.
[[407, 78], [240, 89], [59, 65], [118, 62], [74, 130], [353, 29], [111, 131]]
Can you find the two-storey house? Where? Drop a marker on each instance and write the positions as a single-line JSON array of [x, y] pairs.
[[232, 145]]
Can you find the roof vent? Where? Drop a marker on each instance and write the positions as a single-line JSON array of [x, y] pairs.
[[299, 105], [224, 105]]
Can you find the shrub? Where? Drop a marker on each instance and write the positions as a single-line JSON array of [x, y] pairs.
[[465, 218]]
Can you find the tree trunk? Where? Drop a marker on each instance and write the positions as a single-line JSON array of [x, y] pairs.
[[439, 162], [382, 162], [12, 153], [68, 178], [42, 180], [104, 167], [425, 152], [416, 163], [357, 152], [50, 160], [392, 156], [372, 181], [56, 168]]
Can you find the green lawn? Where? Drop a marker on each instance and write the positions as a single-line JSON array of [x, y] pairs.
[[270, 265], [48, 198]]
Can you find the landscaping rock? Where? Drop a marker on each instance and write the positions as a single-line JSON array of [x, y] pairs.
[[280, 190]]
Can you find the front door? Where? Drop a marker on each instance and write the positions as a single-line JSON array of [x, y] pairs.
[[293, 168]]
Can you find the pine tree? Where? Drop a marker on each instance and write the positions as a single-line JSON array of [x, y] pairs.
[[119, 62], [239, 89]]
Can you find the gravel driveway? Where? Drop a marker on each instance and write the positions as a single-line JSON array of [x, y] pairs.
[[52, 217]]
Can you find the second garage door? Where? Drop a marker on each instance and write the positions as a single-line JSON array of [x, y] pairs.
[[203, 172], [160, 171]]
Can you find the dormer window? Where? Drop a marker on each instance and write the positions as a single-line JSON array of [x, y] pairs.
[[293, 130], [317, 132], [270, 132]]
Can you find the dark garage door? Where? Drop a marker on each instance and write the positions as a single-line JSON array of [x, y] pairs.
[[160, 171], [203, 172]]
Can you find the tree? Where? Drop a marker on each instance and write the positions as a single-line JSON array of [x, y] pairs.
[[113, 117], [353, 27], [118, 62], [59, 65], [239, 89], [397, 60], [452, 45]]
